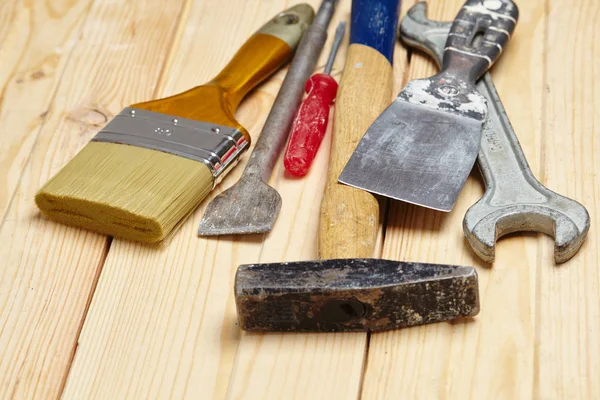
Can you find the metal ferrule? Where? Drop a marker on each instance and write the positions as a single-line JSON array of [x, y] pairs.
[[217, 146]]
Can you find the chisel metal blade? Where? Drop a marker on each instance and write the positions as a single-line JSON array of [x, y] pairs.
[[352, 295], [421, 149]]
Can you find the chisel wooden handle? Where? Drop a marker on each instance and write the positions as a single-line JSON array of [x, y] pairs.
[[349, 218], [262, 54]]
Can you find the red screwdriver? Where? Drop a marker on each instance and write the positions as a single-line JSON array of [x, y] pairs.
[[310, 122]]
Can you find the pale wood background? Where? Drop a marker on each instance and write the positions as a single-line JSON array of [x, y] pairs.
[[82, 316]]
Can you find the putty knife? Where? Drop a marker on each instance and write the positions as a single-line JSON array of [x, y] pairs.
[[423, 146]]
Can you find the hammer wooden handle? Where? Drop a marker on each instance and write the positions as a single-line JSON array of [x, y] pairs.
[[349, 218]]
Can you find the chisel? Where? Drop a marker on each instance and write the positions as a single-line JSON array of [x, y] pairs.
[[252, 205]]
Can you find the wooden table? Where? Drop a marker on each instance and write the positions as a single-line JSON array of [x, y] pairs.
[[89, 317]]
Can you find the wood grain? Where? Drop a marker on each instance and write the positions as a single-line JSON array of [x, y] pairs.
[[166, 314], [162, 320], [31, 66], [567, 347], [49, 271]]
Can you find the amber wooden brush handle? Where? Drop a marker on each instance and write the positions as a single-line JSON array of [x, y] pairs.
[[263, 54], [350, 217]]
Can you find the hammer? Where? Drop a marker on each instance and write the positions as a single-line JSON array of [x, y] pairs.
[[347, 290]]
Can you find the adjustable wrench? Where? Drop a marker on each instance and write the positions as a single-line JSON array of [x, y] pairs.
[[514, 200]]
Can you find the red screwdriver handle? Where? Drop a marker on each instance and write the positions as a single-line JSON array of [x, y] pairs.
[[310, 124]]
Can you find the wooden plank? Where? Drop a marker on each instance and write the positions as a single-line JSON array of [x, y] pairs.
[[32, 65], [9, 39], [568, 303], [491, 355], [162, 322], [175, 326], [304, 366], [49, 271]]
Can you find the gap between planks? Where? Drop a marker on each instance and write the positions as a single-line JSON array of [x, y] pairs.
[[541, 170]]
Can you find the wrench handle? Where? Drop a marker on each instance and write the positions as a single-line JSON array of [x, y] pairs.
[[477, 37]]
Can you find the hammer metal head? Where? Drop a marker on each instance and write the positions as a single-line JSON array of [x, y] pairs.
[[352, 295]]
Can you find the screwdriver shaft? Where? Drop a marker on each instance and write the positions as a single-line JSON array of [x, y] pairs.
[[337, 40]]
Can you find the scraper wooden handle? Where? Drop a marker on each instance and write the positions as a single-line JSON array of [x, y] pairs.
[[349, 218]]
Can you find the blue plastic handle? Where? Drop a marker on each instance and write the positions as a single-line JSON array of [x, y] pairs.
[[374, 23]]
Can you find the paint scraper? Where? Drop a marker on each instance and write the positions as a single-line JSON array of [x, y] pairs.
[[423, 146]]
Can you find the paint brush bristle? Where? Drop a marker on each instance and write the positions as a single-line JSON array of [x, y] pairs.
[[126, 191]]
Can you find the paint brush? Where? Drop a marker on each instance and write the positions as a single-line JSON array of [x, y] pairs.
[[154, 162]]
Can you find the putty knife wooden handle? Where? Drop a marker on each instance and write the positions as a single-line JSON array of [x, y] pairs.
[[349, 218]]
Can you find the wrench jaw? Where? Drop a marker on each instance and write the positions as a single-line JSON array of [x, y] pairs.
[[418, 31], [481, 235], [566, 248], [484, 224]]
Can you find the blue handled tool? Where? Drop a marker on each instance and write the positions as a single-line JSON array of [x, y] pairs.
[[374, 24]]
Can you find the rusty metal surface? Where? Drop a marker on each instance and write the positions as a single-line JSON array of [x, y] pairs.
[[352, 295]]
